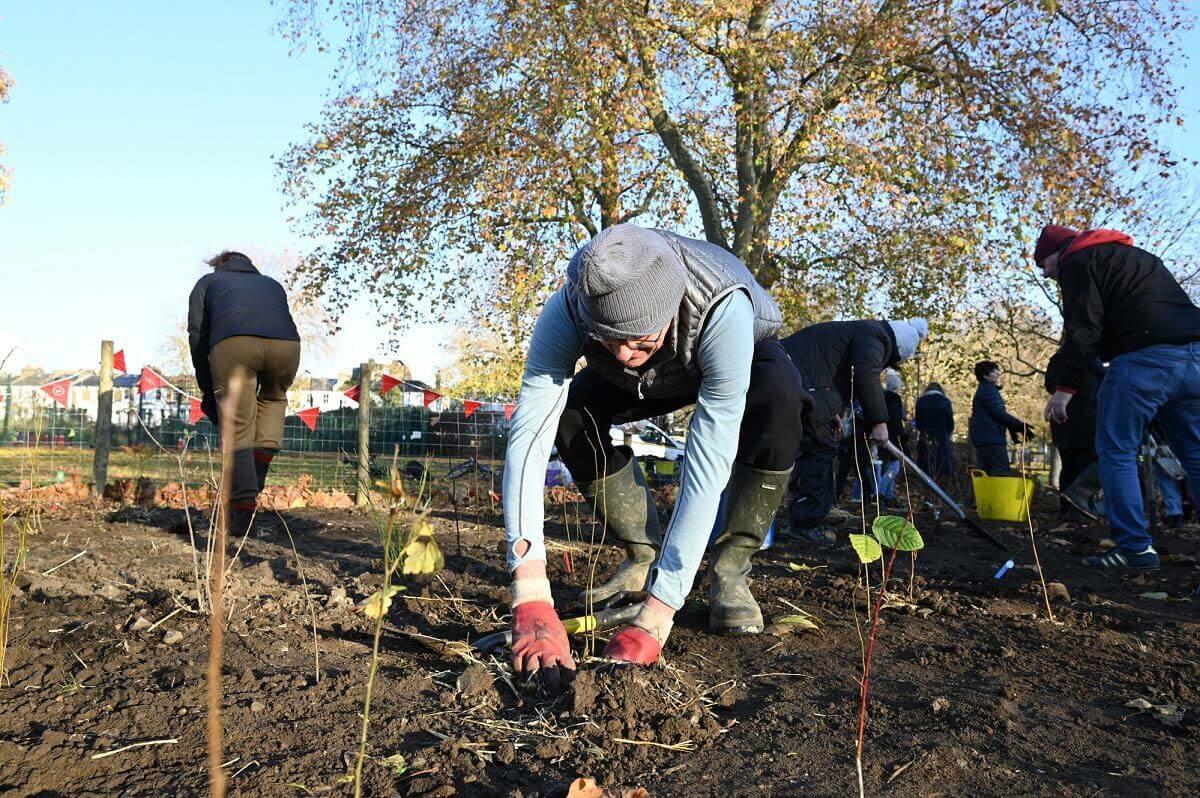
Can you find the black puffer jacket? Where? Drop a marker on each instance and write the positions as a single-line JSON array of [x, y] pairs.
[[842, 360], [235, 300], [1116, 298]]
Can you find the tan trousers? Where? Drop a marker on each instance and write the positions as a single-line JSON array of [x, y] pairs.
[[266, 367]]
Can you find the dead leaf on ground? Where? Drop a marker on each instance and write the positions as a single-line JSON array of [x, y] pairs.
[[800, 566], [587, 788], [377, 604], [899, 604], [1167, 714], [789, 624]]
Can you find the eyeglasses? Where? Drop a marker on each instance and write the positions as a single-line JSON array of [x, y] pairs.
[[647, 343]]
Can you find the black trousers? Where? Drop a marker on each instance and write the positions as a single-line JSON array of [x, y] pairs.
[[855, 465], [935, 455], [769, 437], [812, 482], [994, 460], [1075, 460]]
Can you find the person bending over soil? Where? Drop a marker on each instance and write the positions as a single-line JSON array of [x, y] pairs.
[[664, 322], [239, 325]]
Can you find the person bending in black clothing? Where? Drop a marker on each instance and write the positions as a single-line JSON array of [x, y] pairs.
[[841, 362]]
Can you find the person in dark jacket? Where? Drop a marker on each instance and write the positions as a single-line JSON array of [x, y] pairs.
[[933, 418], [1075, 438], [897, 434], [239, 324], [1122, 305], [990, 420], [841, 362]]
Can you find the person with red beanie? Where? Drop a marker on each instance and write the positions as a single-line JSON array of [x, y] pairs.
[[1122, 305]]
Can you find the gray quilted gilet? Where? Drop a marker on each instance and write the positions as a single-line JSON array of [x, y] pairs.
[[712, 274]]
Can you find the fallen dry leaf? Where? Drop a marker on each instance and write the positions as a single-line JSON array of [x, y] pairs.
[[377, 603], [587, 788], [799, 566]]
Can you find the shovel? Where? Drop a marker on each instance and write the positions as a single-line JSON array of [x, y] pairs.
[[941, 494]]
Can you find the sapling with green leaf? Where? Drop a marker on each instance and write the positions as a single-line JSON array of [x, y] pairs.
[[889, 534]]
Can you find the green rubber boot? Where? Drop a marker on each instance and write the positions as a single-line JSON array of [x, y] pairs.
[[625, 510], [751, 501]]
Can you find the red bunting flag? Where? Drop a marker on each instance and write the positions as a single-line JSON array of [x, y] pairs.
[[59, 390], [195, 412], [309, 417], [150, 381], [431, 397], [352, 393], [119, 362], [389, 383], [470, 407], [508, 411]]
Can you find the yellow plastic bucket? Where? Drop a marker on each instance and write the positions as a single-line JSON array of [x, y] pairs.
[[666, 468], [1001, 498]]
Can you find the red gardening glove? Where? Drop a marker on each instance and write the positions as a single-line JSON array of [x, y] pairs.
[[633, 645], [539, 643]]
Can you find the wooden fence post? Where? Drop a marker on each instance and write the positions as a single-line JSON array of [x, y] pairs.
[[364, 434], [104, 403]]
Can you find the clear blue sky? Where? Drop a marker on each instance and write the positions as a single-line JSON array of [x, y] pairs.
[[141, 137]]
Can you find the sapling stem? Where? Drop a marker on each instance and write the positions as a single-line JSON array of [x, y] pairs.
[[865, 682]]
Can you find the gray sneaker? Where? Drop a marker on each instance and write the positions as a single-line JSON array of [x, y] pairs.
[[1086, 502]]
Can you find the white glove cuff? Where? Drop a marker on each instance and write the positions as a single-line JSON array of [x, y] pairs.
[[526, 590], [657, 625]]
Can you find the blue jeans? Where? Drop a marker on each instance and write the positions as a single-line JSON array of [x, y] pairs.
[[1162, 381], [887, 483], [876, 476], [1172, 496]]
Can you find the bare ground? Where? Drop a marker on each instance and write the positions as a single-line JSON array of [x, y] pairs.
[[975, 692]]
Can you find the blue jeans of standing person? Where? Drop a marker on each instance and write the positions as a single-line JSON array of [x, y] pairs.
[[887, 482], [1163, 381], [1172, 496], [874, 479]]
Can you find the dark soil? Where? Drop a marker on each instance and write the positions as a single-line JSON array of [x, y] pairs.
[[975, 690]]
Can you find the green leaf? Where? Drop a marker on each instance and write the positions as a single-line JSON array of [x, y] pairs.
[[893, 532], [866, 547], [911, 539]]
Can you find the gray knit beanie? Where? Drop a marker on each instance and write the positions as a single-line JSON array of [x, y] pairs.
[[631, 281], [909, 335]]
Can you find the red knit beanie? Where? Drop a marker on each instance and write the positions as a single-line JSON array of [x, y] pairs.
[[1052, 239]]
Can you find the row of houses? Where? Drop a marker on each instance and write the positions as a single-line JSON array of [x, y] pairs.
[[27, 396]]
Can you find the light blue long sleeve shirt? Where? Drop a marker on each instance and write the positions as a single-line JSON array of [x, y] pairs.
[[725, 352]]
